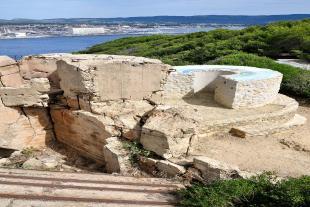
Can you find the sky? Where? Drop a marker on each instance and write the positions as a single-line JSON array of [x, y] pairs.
[[44, 9]]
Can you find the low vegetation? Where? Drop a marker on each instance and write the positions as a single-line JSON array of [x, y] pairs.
[[281, 39], [261, 191], [135, 151], [273, 40]]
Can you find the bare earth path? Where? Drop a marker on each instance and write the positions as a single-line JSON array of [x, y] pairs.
[[287, 153]]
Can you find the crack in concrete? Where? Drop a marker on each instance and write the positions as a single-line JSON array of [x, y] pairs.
[[189, 144]]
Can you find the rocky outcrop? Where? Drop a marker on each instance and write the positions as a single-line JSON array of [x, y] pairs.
[[116, 157], [168, 133], [215, 170]]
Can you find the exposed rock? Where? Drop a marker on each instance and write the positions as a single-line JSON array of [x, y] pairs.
[[168, 133], [10, 69], [33, 164], [127, 115], [41, 67], [193, 174], [116, 157], [17, 131], [73, 103], [5, 60], [4, 162], [84, 131], [15, 154], [50, 163], [170, 168], [214, 170], [41, 85], [24, 96], [125, 77], [80, 161], [12, 80], [148, 165]]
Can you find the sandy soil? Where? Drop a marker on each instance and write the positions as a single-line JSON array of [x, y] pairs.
[[286, 153]]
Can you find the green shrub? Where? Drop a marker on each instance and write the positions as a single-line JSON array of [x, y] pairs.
[[295, 81], [262, 191], [135, 151], [198, 48], [273, 40]]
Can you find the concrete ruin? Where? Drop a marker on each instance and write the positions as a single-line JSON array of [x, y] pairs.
[[93, 102]]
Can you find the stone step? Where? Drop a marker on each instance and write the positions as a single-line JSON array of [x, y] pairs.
[[267, 128], [40, 188]]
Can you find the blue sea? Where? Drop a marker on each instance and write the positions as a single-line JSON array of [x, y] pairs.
[[17, 48]]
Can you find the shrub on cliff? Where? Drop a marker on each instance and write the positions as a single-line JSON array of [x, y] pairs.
[[273, 40], [224, 47], [262, 190]]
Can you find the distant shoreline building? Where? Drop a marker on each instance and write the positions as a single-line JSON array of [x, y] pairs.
[[88, 30]]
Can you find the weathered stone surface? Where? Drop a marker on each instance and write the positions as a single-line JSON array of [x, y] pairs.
[[268, 128], [5, 60], [126, 115], [214, 170], [33, 164], [41, 123], [24, 96], [4, 162], [170, 168], [168, 133], [73, 103], [12, 80], [148, 165], [33, 93], [233, 86], [83, 131], [10, 69], [108, 77], [18, 131], [41, 85], [116, 157], [41, 67]]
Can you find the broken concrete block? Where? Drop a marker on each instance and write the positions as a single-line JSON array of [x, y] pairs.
[[5, 60], [10, 69], [41, 85], [33, 164], [24, 96], [170, 168], [24, 128], [41, 67], [148, 165], [83, 131], [116, 157], [100, 76], [12, 80], [73, 103], [214, 170], [168, 133]]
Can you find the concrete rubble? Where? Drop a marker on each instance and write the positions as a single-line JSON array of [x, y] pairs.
[[93, 102]]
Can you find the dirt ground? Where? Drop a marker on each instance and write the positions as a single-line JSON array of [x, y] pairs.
[[286, 153]]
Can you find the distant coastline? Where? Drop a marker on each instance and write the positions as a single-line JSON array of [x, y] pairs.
[[44, 31], [167, 20]]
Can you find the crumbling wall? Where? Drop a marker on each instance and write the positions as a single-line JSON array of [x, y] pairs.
[[22, 127], [94, 102]]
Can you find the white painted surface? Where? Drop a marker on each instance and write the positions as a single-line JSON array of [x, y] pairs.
[[233, 86]]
